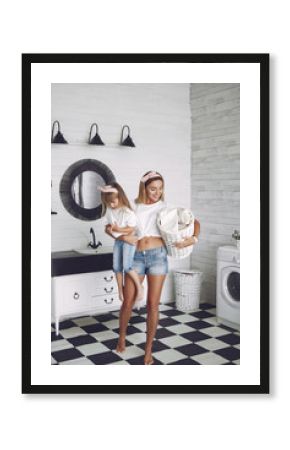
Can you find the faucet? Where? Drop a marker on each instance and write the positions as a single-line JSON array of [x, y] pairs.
[[93, 244]]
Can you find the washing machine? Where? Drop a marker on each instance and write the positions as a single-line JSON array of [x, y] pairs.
[[228, 286]]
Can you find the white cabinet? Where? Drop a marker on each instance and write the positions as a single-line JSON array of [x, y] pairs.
[[84, 294], [81, 294]]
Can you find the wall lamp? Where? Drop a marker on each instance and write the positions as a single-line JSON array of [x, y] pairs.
[[128, 141], [58, 138], [96, 140]]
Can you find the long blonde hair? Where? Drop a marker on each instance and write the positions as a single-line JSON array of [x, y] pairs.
[[106, 197], [142, 196]]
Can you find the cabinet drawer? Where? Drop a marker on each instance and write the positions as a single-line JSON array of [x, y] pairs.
[[103, 284], [106, 276], [104, 290], [105, 301], [75, 297]]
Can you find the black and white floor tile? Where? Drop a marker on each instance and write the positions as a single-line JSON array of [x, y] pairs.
[[181, 338]]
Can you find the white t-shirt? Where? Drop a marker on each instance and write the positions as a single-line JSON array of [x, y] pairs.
[[147, 218], [123, 217]]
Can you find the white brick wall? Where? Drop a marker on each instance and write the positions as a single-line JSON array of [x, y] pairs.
[[215, 173], [159, 118]]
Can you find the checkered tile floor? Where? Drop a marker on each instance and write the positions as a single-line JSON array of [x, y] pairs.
[[191, 338]]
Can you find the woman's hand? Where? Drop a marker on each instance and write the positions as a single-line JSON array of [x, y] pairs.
[[186, 242], [191, 240]]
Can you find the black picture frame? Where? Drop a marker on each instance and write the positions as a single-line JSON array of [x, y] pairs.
[[263, 61]]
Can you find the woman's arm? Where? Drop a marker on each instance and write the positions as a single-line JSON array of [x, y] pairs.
[[192, 239], [196, 228], [123, 230], [129, 238]]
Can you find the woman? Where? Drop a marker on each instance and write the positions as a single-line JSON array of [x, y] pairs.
[[150, 258]]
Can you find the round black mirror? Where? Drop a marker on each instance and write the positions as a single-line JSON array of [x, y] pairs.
[[78, 188]]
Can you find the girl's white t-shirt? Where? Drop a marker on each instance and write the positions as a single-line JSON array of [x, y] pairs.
[[123, 217], [147, 218]]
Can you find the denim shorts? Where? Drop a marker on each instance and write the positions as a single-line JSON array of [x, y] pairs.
[[151, 262], [123, 255]]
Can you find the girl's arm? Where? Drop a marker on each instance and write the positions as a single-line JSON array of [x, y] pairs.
[[108, 230], [192, 239], [123, 230], [129, 238]]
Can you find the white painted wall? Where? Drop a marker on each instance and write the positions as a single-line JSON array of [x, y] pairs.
[[159, 119], [215, 173]]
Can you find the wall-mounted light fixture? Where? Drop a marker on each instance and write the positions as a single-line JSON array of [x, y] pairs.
[[96, 140], [128, 141], [58, 138]]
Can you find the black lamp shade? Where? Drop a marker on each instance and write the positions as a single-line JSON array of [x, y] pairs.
[[128, 140], [58, 138], [96, 140]]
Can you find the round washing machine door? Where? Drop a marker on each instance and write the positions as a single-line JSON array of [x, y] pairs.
[[231, 285]]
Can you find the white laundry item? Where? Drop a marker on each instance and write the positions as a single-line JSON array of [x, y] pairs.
[[185, 216], [173, 229], [169, 220]]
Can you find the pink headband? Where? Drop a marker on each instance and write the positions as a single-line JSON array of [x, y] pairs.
[[149, 175], [108, 189]]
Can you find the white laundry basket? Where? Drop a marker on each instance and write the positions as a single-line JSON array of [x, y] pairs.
[[171, 238], [187, 289]]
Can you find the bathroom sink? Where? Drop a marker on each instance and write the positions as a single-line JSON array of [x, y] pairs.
[[86, 251], [81, 260], [93, 251]]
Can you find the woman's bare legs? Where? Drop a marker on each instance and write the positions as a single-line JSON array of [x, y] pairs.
[[126, 310], [155, 283]]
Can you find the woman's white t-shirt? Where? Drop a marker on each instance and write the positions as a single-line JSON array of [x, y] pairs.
[[147, 218], [123, 217]]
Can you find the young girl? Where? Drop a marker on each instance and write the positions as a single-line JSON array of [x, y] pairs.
[[121, 220]]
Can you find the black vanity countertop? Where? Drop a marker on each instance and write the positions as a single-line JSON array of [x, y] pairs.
[[72, 262]]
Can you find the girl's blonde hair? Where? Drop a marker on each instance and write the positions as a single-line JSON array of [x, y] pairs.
[[106, 197], [142, 197]]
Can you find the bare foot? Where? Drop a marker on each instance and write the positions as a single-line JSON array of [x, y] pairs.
[[148, 359], [121, 346]]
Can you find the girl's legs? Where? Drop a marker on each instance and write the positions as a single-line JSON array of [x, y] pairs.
[[118, 266], [155, 283], [138, 285], [128, 258], [126, 310], [119, 276]]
